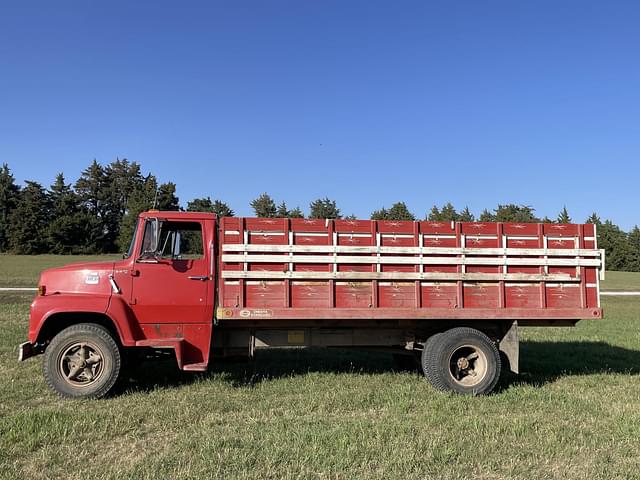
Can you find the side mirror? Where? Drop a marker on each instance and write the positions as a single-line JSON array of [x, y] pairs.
[[150, 240]]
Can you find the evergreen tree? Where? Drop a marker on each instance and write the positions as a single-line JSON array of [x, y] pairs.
[[563, 216], [446, 214], [28, 221], [9, 193], [222, 209], [515, 213], [614, 241], [351, 217], [122, 179], [90, 189], [633, 264], [399, 211], [282, 211], [167, 199], [324, 208], [206, 205], [382, 214], [466, 216], [264, 206], [66, 225], [594, 219], [296, 213], [140, 200], [487, 216], [434, 214], [200, 205]]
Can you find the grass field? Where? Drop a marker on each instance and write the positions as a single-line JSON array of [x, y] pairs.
[[573, 413]]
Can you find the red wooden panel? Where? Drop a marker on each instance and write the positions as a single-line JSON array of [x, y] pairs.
[[439, 295], [311, 237], [479, 228], [522, 296], [563, 296], [353, 295], [388, 226], [589, 229], [447, 240], [265, 294], [522, 242], [523, 239], [437, 228], [396, 294], [314, 294], [592, 297], [266, 224], [560, 230], [441, 268], [481, 295], [352, 226], [483, 240], [520, 229], [397, 240], [230, 293], [309, 225], [359, 238]]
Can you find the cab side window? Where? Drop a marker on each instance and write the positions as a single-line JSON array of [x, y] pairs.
[[181, 241]]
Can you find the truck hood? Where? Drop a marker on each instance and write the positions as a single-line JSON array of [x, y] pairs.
[[88, 278]]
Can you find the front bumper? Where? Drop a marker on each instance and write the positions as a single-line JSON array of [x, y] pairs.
[[26, 350]]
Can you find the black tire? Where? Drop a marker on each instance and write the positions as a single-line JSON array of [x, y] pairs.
[[428, 346], [82, 361], [462, 360]]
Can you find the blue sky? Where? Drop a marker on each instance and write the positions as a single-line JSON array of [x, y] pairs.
[[477, 103]]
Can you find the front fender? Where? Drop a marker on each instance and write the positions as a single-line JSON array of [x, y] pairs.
[[46, 306]]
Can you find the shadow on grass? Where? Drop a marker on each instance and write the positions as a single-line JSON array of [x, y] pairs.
[[540, 363], [543, 362], [269, 364]]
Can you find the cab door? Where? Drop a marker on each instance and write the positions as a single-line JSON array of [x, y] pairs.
[[172, 285]]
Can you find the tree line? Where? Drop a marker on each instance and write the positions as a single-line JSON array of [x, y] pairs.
[[97, 213]]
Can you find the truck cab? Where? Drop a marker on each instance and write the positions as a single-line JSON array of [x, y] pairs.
[[160, 295]]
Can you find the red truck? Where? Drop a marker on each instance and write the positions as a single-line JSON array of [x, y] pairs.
[[450, 295]]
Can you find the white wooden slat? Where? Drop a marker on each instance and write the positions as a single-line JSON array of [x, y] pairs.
[[238, 247], [445, 276], [350, 259]]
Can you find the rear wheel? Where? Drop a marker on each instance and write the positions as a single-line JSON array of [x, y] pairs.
[[82, 361], [462, 360]]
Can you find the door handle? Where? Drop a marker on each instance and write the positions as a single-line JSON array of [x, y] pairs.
[[199, 277]]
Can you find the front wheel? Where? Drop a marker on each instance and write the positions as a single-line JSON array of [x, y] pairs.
[[82, 361], [463, 360]]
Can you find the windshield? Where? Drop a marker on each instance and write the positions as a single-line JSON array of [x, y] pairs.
[[133, 240]]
